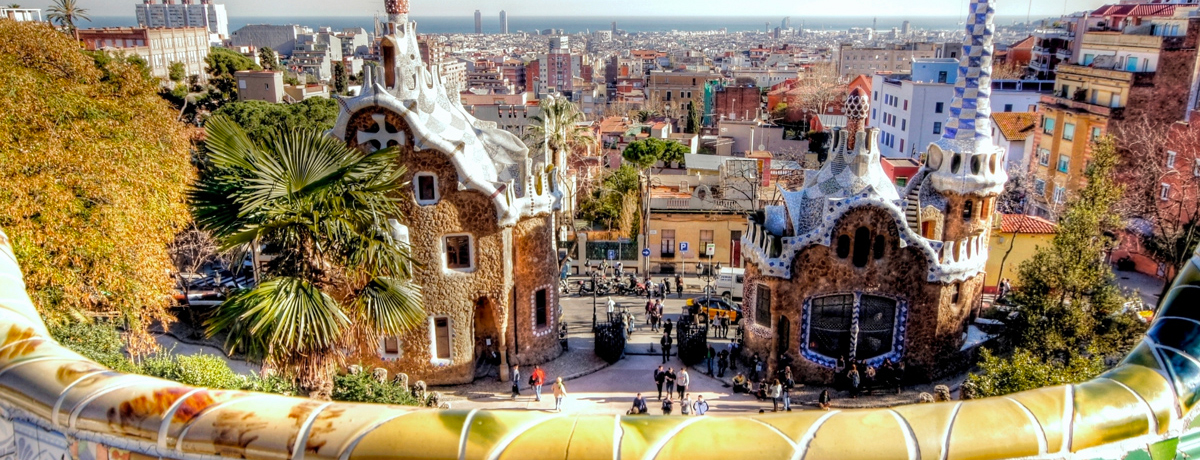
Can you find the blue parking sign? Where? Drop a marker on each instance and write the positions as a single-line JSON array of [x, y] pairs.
[[612, 254], [683, 246]]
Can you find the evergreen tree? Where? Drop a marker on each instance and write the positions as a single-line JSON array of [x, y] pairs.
[[1070, 311], [268, 59], [341, 81], [693, 119]]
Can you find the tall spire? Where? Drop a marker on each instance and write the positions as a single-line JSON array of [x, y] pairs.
[[970, 110]]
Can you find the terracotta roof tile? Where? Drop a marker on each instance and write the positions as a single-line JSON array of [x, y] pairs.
[[1015, 126], [1021, 223]]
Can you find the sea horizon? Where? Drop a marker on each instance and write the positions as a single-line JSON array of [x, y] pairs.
[[576, 24]]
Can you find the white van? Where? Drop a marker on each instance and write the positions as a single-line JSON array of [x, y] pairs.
[[729, 282]]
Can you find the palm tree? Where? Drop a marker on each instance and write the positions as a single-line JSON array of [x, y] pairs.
[[337, 278], [559, 128], [65, 13]]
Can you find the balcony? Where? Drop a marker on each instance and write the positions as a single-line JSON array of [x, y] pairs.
[[1122, 40], [1039, 66], [1063, 53], [1115, 113], [1051, 33], [1091, 73]]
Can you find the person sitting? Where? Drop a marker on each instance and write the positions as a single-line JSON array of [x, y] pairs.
[[824, 400], [762, 392], [739, 384], [639, 405]]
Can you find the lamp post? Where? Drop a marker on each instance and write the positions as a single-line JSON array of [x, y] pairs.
[[594, 289]]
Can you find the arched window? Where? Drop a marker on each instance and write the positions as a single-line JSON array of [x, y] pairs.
[[879, 246], [968, 209], [843, 246], [862, 246]]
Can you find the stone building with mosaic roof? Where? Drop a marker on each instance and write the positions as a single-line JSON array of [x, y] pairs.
[[850, 267], [479, 219]]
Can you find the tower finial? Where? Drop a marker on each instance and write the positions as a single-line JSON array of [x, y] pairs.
[[856, 106], [971, 109]]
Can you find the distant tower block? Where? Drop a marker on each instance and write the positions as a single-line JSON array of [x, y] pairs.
[[503, 22], [478, 22]]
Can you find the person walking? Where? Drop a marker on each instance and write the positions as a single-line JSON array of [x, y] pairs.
[[611, 306], [700, 407], [666, 347], [776, 392], [560, 392], [788, 384], [682, 382], [666, 284], [679, 285], [667, 405], [669, 383], [722, 363], [516, 381], [685, 405], [537, 379], [667, 327], [660, 378]]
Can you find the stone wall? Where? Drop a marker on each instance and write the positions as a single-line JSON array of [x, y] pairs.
[[535, 267], [450, 293], [934, 324]]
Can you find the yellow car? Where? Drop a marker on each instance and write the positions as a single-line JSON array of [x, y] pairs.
[[714, 307]]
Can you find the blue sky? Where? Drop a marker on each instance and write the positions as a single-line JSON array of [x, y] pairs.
[[797, 9]]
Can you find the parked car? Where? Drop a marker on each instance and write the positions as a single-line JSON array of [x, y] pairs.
[[714, 307]]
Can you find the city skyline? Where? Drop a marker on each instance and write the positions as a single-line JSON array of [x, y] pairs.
[[617, 9]]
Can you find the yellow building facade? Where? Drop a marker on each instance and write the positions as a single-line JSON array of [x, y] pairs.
[[678, 240], [1015, 239]]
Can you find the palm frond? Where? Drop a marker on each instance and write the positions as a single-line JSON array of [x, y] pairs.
[[390, 306], [285, 316]]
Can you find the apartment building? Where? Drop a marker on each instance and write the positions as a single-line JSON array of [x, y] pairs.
[[159, 47], [910, 109], [188, 13], [1139, 71], [673, 90], [854, 61]]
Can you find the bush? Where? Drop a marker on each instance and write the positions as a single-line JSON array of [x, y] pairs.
[[363, 387], [97, 341], [202, 370], [1025, 371], [270, 384]]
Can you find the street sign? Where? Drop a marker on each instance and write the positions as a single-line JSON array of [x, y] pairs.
[[710, 249], [683, 246], [645, 252], [612, 254]]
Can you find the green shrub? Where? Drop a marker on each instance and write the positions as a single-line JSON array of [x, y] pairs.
[[364, 388], [1025, 371], [270, 384], [209, 371], [97, 341]]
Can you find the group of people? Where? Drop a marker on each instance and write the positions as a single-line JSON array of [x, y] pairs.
[[888, 375], [537, 379], [654, 315], [1003, 289], [673, 383]]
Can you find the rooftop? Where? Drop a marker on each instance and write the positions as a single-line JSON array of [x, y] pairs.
[[1015, 126], [1021, 223]]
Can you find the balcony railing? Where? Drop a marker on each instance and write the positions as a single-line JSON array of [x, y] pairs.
[[1092, 72], [1063, 53], [1051, 33], [1083, 106], [1120, 39]]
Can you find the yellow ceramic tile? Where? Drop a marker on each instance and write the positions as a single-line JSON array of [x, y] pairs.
[[639, 434], [548, 439], [337, 426], [253, 428], [728, 438], [992, 428], [1142, 355], [796, 424], [490, 427], [425, 434], [593, 438], [930, 424], [134, 411], [1152, 387], [860, 434], [1106, 412], [25, 384], [1050, 407]]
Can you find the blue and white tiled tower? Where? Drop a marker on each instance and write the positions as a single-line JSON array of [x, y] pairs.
[[965, 160]]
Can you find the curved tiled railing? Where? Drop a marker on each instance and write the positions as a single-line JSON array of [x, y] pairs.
[[56, 405]]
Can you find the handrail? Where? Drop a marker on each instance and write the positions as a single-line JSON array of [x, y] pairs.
[[54, 402]]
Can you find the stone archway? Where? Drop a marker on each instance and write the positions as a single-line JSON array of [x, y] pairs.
[[488, 338]]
